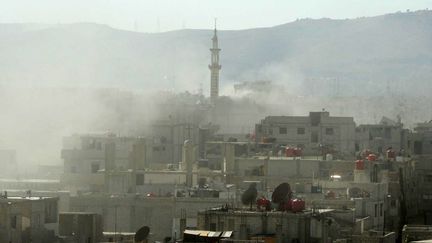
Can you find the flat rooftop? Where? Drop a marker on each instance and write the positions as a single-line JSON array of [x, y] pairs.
[[16, 198]]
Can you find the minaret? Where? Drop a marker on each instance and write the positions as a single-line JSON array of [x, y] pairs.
[[214, 68]]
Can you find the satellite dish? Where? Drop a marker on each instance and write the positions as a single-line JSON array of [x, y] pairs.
[[250, 195], [142, 234], [281, 194]]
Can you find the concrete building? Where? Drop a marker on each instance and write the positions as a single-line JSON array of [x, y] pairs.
[[420, 141], [28, 219], [282, 226], [80, 227], [317, 134], [418, 190], [324, 225], [166, 216], [375, 237], [86, 157], [416, 233], [379, 137]]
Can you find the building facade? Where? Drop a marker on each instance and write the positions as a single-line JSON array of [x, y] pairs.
[[316, 134]]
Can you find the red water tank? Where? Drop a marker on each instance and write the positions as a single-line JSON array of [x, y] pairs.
[[298, 152], [359, 164], [372, 157], [366, 153], [330, 195], [289, 152], [263, 204], [297, 205]]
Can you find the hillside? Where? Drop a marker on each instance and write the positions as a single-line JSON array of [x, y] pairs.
[[322, 57]]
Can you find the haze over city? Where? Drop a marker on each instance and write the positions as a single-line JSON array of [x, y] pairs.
[[215, 121], [155, 16]]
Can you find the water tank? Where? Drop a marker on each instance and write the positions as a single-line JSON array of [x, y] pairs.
[[289, 152], [298, 152], [297, 205], [359, 164], [263, 204], [371, 157]]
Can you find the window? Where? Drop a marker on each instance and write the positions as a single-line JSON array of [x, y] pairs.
[[282, 130], [221, 226], [139, 179], [381, 210], [230, 224], [427, 178], [94, 168], [212, 226], [13, 222], [329, 131], [314, 137], [376, 210], [301, 130], [270, 131], [36, 221], [387, 132]]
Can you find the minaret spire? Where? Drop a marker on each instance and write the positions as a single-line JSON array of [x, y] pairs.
[[214, 68]]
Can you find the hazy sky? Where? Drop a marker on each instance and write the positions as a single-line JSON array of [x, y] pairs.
[[164, 15]]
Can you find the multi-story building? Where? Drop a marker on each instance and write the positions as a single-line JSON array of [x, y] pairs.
[[86, 157], [316, 133], [379, 137], [28, 219], [80, 227], [420, 141]]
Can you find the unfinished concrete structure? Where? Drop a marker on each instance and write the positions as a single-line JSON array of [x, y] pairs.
[[28, 219], [316, 133], [379, 137], [80, 227]]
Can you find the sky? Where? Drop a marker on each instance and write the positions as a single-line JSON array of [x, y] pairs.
[[166, 15]]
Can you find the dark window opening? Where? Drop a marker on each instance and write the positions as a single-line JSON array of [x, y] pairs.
[[314, 137], [139, 179], [329, 131], [387, 132], [212, 226], [282, 130], [13, 222], [94, 168], [301, 130]]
